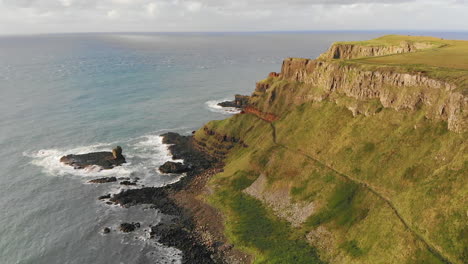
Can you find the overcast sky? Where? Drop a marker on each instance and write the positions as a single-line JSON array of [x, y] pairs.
[[47, 16]]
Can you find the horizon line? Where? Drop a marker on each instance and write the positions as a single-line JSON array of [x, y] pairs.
[[235, 32]]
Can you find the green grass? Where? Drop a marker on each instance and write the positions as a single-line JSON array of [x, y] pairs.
[[417, 168], [447, 61], [413, 161], [343, 208], [250, 225], [352, 248], [254, 228]]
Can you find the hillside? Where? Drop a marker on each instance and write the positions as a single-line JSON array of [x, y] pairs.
[[358, 156]]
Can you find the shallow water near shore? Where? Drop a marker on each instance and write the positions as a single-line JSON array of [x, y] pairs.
[[76, 93]]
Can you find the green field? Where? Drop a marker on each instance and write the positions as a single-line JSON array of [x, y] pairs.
[[447, 60]]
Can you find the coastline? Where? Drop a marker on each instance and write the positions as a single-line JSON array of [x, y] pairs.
[[196, 227]]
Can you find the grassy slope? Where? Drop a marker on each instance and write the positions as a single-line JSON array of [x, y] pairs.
[[397, 160], [416, 163]]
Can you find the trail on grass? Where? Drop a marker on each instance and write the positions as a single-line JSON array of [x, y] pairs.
[[437, 252]]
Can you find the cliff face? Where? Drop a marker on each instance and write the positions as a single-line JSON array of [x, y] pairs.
[[393, 89], [352, 51], [384, 184]]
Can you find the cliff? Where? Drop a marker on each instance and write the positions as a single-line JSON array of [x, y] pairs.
[[437, 89], [393, 89], [386, 45], [350, 160], [351, 51]]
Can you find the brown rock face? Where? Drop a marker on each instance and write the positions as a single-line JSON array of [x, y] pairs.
[[269, 117], [351, 51], [396, 90], [273, 74]]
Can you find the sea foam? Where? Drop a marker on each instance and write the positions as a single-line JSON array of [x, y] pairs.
[[144, 155], [214, 107]]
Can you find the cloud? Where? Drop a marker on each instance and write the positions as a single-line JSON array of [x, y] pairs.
[[31, 16], [193, 6], [151, 9], [112, 14]]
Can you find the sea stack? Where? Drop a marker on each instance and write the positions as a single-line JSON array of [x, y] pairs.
[[102, 160]]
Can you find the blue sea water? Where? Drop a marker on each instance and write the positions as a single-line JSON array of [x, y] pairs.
[[75, 93]]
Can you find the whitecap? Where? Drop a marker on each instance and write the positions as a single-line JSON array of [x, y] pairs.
[[213, 106], [144, 155]]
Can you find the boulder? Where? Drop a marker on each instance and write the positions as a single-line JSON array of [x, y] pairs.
[[129, 227], [105, 196], [173, 167]]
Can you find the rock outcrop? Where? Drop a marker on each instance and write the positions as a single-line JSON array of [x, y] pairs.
[[102, 160], [173, 167], [441, 100], [352, 51], [129, 227], [273, 75], [240, 101]]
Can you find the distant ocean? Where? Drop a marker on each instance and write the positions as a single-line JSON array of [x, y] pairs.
[[76, 93]]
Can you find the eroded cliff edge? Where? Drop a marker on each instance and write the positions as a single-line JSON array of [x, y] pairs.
[[392, 86], [348, 161]]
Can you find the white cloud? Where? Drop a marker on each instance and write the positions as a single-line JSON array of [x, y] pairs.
[[152, 9], [35, 16], [66, 3], [112, 14], [193, 6]]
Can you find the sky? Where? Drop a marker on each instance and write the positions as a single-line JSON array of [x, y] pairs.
[[63, 16]]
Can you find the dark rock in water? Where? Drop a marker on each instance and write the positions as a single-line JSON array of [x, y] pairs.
[[179, 232], [106, 196], [104, 180], [127, 183], [183, 148], [128, 227], [106, 230], [173, 167], [177, 235], [240, 101], [105, 160], [158, 197]]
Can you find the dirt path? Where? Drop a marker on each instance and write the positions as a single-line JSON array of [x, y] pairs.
[[436, 251]]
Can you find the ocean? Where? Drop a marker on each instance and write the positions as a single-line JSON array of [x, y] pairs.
[[76, 93]]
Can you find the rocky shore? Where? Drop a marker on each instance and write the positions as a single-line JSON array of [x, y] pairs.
[[196, 228]]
